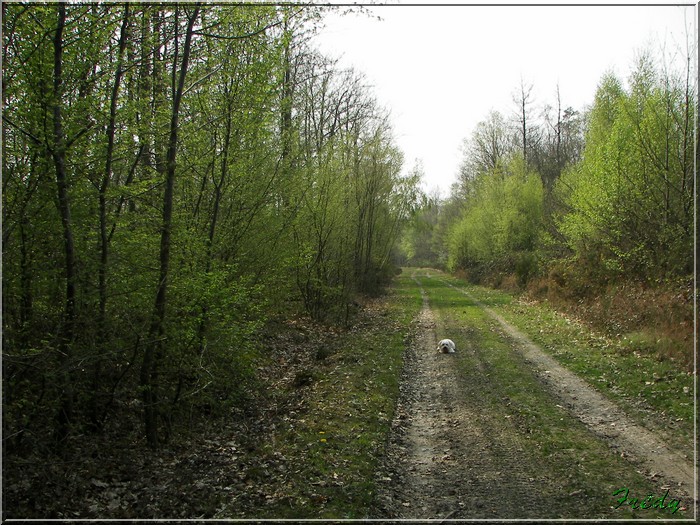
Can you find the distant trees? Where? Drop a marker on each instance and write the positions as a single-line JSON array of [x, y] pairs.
[[420, 243], [527, 136], [500, 227], [487, 149], [349, 196], [172, 176], [609, 188], [562, 142]]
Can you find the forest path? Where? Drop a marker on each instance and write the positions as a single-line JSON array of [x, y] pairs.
[[470, 441]]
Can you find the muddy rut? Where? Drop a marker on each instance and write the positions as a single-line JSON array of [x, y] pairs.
[[449, 458]]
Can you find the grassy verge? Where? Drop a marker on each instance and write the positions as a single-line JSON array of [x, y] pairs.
[[331, 449], [642, 384], [573, 469]]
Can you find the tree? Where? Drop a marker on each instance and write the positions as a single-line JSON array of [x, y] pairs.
[[349, 204], [629, 205], [107, 177], [172, 176], [58, 149], [418, 238], [154, 348], [500, 228], [527, 135], [561, 144], [487, 149]]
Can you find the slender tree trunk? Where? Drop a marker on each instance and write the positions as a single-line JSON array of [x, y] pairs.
[[104, 236], [523, 102], [287, 95], [26, 312], [152, 354], [369, 270], [26, 302], [688, 181], [67, 335]]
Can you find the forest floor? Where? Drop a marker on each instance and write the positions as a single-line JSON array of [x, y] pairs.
[[534, 417]]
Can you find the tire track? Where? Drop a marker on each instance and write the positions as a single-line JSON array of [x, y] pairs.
[[599, 414]]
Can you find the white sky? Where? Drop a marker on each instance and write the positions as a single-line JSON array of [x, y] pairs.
[[440, 69]]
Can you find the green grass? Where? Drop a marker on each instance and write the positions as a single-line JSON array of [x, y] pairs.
[[333, 447]]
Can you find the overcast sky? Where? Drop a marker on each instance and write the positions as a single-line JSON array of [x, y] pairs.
[[440, 69]]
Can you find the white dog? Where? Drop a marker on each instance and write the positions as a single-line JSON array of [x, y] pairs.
[[446, 346]]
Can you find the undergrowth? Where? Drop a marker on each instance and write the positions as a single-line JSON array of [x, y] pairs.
[[333, 445], [655, 317]]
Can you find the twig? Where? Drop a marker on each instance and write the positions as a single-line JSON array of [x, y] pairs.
[[449, 515]]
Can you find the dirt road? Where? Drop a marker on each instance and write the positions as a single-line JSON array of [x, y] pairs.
[[501, 430]]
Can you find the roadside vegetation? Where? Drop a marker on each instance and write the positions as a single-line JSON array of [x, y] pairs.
[[307, 443], [185, 174], [203, 221], [335, 443]]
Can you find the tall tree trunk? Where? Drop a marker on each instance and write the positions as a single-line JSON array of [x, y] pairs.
[[154, 347], [287, 95], [523, 102], [67, 335], [104, 236]]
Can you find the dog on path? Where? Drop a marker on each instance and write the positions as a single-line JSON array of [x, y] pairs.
[[446, 346]]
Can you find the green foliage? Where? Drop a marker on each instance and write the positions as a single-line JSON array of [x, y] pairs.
[[630, 199], [417, 242], [337, 441], [350, 198], [285, 191], [214, 329], [614, 197], [501, 226]]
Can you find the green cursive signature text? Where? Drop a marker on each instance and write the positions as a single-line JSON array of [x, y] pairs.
[[650, 502]]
